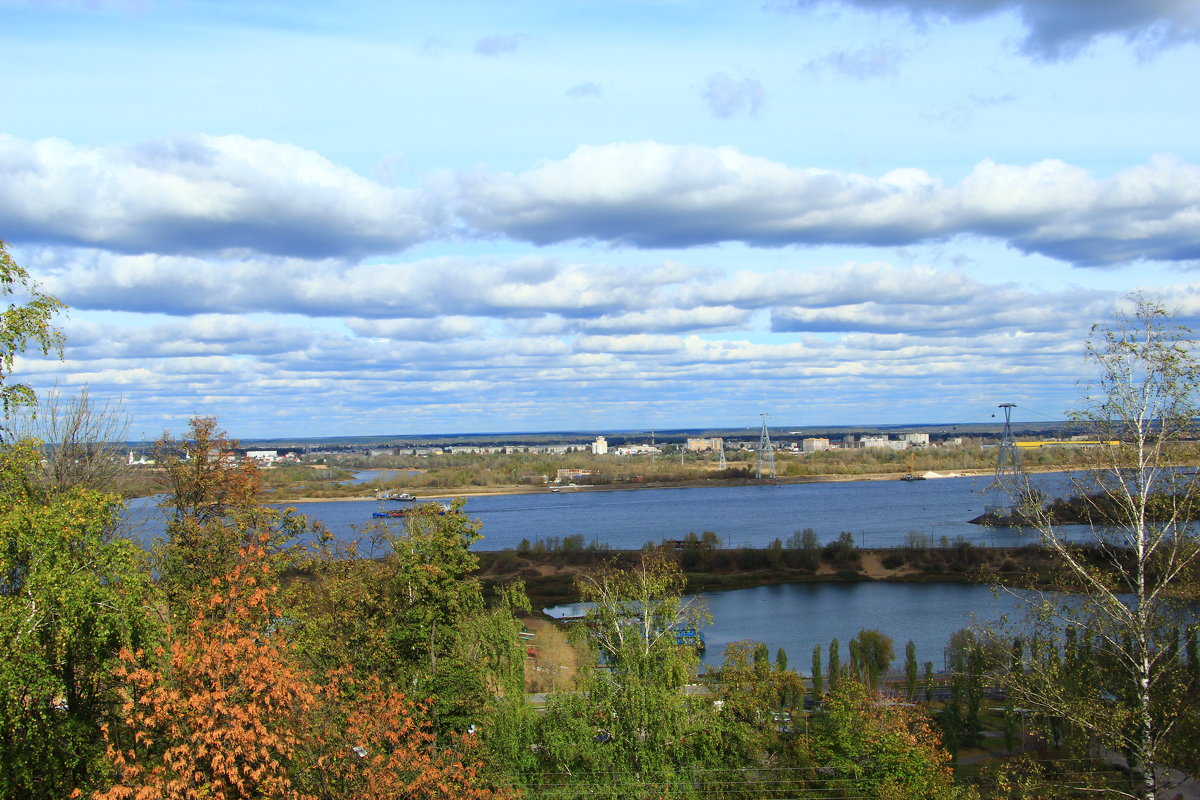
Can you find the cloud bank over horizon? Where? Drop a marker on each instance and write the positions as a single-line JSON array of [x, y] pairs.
[[636, 218], [210, 195]]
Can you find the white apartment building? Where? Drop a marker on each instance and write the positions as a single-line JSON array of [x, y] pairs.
[[882, 441]]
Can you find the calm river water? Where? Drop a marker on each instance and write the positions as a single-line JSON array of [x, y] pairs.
[[878, 513]]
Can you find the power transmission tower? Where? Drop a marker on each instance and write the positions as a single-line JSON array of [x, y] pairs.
[[765, 454], [1008, 481], [721, 463]]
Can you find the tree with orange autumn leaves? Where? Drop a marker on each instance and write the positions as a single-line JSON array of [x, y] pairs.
[[224, 710]]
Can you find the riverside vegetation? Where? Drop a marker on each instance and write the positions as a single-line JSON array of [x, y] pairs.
[[231, 662], [548, 566]]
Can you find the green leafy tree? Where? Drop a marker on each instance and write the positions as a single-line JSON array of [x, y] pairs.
[[71, 596], [879, 750], [875, 654], [507, 720], [757, 725], [23, 325], [842, 552], [631, 717], [410, 615], [749, 695], [1142, 552]]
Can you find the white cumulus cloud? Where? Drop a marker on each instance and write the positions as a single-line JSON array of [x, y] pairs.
[[201, 194], [648, 194]]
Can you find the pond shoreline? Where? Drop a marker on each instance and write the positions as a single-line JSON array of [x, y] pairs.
[[549, 577]]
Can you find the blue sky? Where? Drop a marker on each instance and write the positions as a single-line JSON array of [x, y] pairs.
[[319, 219]]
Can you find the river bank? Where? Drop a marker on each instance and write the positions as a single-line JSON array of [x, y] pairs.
[[549, 577], [514, 489]]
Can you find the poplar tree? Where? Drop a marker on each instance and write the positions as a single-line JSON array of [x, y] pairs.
[[835, 664], [818, 684], [910, 669]]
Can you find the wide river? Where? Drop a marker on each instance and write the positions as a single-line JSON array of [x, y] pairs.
[[793, 617], [878, 513]]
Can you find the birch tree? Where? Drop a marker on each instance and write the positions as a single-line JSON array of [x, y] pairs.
[[1124, 588], [631, 719]]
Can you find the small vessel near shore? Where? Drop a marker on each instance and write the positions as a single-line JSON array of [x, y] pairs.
[[912, 476], [419, 508], [402, 497]]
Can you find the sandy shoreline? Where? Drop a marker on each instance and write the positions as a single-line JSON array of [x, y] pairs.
[[702, 484]]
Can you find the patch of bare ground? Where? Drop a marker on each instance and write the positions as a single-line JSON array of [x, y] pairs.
[[872, 566]]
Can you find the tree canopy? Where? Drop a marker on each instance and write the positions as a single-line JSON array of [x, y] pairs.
[[26, 322]]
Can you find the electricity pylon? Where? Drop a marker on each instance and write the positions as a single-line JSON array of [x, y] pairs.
[[765, 454], [1009, 479]]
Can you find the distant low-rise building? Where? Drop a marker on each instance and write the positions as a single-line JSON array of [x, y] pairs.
[[814, 445], [639, 450], [700, 445]]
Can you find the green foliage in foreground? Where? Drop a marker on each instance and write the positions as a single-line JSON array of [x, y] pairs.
[[72, 594]]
